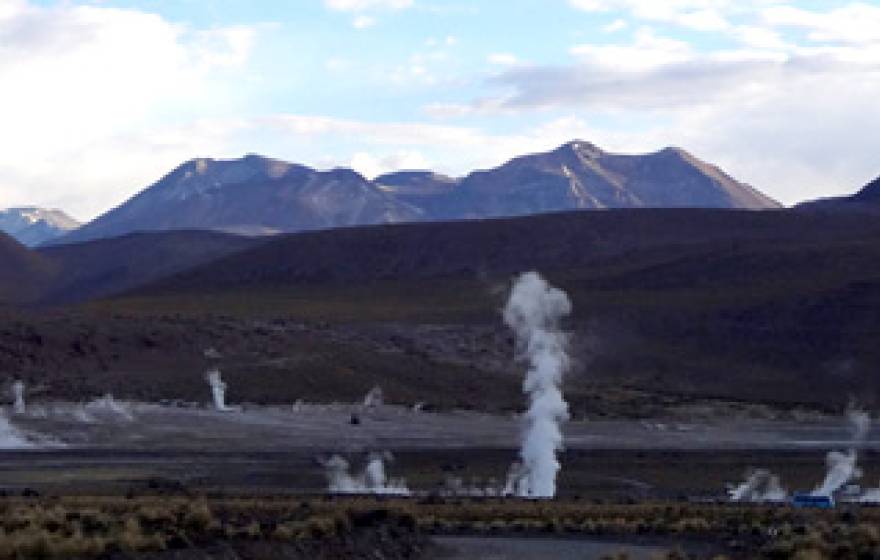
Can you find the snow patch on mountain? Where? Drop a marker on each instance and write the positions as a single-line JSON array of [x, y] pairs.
[[33, 226]]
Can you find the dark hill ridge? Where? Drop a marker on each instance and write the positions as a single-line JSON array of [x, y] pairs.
[[867, 200], [23, 273], [78, 272], [759, 306], [559, 241], [106, 267], [258, 195], [870, 193]]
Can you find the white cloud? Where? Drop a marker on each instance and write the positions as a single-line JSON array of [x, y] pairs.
[[854, 24], [365, 5], [502, 59], [794, 119], [757, 37], [617, 25], [428, 67], [646, 51], [702, 15], [371, 166], [407, 145], [363, 22], [78, 79]]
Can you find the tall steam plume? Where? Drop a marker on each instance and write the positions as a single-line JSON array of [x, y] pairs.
[[843, 467], [18, 406], [218, 389], [534, 311]]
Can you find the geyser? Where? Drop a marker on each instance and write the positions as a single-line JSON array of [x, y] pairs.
[[533, 311], [760, 486], [843, 467], [18, 407], [10, 436], [374, 398], [372, 480], [218, 390], [107, 406]]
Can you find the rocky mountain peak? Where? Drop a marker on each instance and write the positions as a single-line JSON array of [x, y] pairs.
[[32, 226]]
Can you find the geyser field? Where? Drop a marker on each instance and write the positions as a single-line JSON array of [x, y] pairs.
[[188, 474], [68, 448]]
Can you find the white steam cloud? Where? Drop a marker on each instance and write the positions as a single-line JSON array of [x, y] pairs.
[[374, 398], [218, 389], [534, 311], [109, 407], [18, 407], [372, 480], [760, 486], [11, 437], [843, 467]]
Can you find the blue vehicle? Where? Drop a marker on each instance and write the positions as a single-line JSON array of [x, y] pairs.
[[806, 500]]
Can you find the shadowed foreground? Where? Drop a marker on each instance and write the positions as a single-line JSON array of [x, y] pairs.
[[363, 527]]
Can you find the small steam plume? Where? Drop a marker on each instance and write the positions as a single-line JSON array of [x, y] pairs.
[[534, 310], [860, 421], [107, 405], [374, 398], [517, 483], [870, 496], [11, 437], [339, 478], [760, 486], [18, 406], [843, 467], [372, 480], [218, 390], [454, 486]]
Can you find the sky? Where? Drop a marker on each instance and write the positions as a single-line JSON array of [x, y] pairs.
[[99, 99]]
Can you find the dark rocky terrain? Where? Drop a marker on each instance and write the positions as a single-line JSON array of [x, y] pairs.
[[24, 275], [104, 267], [77, 272], [672, 308], [256, 195]]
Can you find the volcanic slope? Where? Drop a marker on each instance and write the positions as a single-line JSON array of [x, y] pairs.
[[105, 267], [774, 307], [24, 274]]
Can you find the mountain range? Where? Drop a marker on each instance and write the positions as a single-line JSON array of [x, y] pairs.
[[34, 226], [256, 195]]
